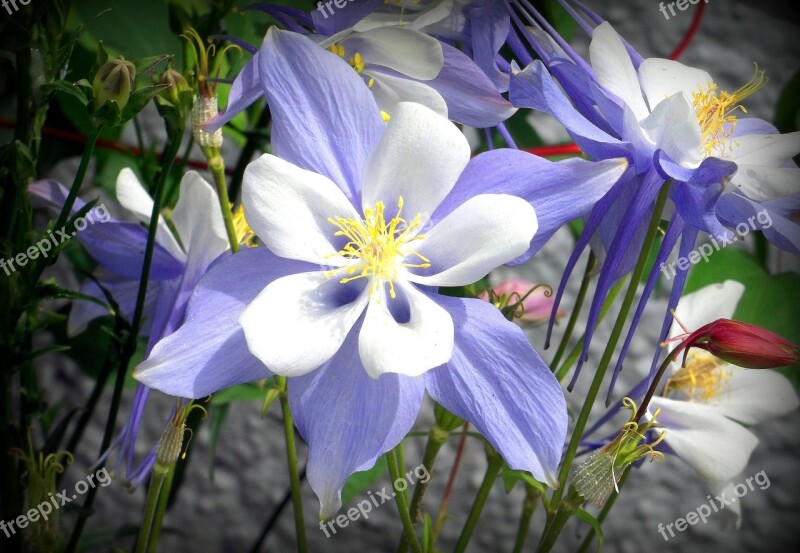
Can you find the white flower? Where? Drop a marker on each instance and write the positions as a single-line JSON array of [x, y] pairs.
[[704, 402]]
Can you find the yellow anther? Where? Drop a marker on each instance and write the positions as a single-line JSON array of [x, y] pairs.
[[716, 113], [337, 49], [378, 247], [357, 62], [386, 116], [702, 378], [244, 233]]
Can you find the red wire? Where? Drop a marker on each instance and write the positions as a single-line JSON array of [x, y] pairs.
[[105, 144], [687, 39]]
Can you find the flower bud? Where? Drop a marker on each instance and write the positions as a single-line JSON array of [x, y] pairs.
[[530, 303], [114, 81], [742, 344], [178, 84]]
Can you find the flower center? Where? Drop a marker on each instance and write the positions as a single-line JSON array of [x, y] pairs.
[[356, 62], [702, 378], [378, 247], [716, 112]]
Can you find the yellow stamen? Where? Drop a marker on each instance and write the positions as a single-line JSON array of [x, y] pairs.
[[244, 233], [356, 61], [379, 248], [386, 116], [702, 378], [716, 112]]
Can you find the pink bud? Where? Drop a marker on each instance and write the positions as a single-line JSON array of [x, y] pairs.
[[536, 307], [742, 344]]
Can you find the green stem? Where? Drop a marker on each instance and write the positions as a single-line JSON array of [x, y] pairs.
[[161, 509], [129, 348], [448, 490], [528, 508], [556, 523], [601, 517], [627, 302], [217, 167], [250, 148], [495, 464], [573, 318], [436, 439], [151, 506], [294, 473], [402, 503], [577, 348], [88, 150]]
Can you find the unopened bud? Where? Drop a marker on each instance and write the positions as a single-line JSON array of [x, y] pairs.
[[178, 84], [523, 301], [114, 81]]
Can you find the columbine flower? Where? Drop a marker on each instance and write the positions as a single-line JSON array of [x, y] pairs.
[[534, 302], [703, 402], [118, 247], [398, 64], [360, 219], [672, 123]]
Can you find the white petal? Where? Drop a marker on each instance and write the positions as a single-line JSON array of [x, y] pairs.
[[662, 78], [420, 157], [760, 183], [299, 321], [288, 208], [423, 340], [135, 199], [478, 236], [754, 396], [198, 220], [731, 515], [769, 150], [389, 91], [411, 53], [614, 70], [706, 305], [673, 127], [715, 446]]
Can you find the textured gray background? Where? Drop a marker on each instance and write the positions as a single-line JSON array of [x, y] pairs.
[[251, 474]]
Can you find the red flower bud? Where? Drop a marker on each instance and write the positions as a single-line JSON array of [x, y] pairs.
[[742, 344]]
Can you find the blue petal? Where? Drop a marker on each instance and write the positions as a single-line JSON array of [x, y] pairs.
[[115, 245], [329, 24], [209, 352], [534, 88], [245, 91], [489, 25], [711, 171], [772, 217], [497, 381], [472, 98], [559, 191], [349, 419], [698, 206], [324, 117]]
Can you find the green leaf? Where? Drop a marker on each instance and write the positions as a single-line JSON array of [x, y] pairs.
[[139, 98], [66, 88], [586, 517], [241, 392], [511, 477], [787, 111], [360, 481]]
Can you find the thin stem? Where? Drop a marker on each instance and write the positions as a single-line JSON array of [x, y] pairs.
[[573, 318], [249, 149], [402, 503], [129, 348], [577, 348], [436, 439], [294, 473], [216, 164], [448, 490], [161, 509], [583, 417], [528, 508], [151, 506], [88, 150], [495, 463], [654, 385]]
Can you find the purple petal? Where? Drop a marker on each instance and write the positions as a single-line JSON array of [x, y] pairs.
[[472, 98], [209, 352], [489, 25], [534, 88], [245, 91], [773, 218], [559, 191], [324, 116], [497, 381], [330, 19], [349, 419]]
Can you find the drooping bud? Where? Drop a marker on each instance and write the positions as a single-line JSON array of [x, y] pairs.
[[177, 84], [169, 446], [525, 301], [597, 477], [115, 80], [741, 344]]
